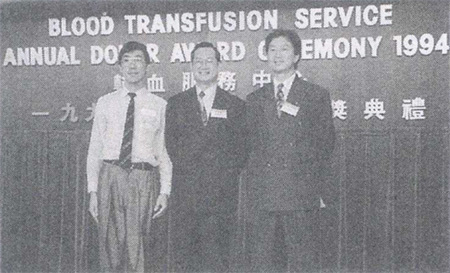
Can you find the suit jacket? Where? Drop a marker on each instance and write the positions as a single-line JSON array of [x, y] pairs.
[[307, 145], [206, 159]]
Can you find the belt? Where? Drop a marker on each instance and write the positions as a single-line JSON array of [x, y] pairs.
[[145, 166]]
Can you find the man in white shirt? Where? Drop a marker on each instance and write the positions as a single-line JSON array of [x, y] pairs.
[[126, 154]]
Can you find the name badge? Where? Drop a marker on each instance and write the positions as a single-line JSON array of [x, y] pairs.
[[290, 109], [148, 112], [218, 113]]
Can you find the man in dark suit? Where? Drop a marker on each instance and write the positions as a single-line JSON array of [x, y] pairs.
[[291, 139], [205, 138]]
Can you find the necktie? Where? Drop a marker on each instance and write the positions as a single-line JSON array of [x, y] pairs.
[[280, 99], [127, 140], [204, 114]]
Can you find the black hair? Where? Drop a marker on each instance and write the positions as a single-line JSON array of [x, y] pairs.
[[205, 45], [290, 35], [132, 46]]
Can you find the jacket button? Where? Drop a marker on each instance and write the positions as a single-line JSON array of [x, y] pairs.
[[291, 144], [268, 165]]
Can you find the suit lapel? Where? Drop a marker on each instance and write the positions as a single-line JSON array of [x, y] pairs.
[[296, 93], [268, 93], [220, 104], [192, 110], [219, 100], [296, 97], [269, 103], [268, 115], [209, 132]]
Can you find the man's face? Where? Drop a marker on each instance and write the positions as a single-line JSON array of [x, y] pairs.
[[133, 66], [280, 55], [205, 65]]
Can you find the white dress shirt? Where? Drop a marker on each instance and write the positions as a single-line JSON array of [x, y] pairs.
[[148, 134], [208, 99]]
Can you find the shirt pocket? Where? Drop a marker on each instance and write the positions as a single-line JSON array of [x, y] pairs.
[[148, 120]]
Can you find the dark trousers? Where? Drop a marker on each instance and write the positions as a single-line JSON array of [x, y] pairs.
[[201, 242], [285, 241], [126, 200]]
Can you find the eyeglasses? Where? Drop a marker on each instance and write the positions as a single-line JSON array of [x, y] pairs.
[[204, 61], [129, 61]]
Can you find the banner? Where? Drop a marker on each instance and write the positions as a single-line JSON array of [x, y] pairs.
[[384, 63]]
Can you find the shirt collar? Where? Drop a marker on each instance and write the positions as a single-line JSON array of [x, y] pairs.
[[209, 92], [124, 91]]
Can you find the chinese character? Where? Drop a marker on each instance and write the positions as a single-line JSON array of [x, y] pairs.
[[188, 80], [260, 78], [155, 84], [91, 109], [226, 80], [374, 108], [339, 109], [118, 82], [69, 111], [414, 109]]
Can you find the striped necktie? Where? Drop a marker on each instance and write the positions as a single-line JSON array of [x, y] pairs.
[[280, 99], [127, 140], [203, 112]]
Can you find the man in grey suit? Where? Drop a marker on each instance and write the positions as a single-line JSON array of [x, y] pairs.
[[291, 139], [205, 136]]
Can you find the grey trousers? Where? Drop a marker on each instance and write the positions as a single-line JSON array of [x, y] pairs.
[[126, 201]]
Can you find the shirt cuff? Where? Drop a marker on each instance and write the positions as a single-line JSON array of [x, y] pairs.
[[92, 187], [165, 189]]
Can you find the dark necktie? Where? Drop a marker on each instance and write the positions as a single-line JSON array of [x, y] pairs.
[[127, 140], [204, 114], [280, 99]]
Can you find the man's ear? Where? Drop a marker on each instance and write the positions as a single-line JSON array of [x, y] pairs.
[[119, 68]]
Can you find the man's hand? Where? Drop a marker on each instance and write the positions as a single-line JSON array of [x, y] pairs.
[[93, 205], [161, 205]]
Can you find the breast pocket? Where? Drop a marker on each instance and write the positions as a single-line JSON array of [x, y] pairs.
[[149, 120]]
